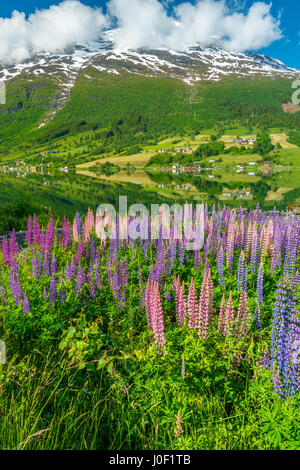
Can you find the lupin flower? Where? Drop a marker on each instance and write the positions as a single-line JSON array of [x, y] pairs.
[[285, 332], [192, 306], [50, 234], [168, 296], [29, 234], [242, 274], [229, 316], [15, 284], [98, 279], [178, 430], [53, 264], [181, 314], [230, 245], [26, 305], [46, 263], [220, 265], [243, 319], [3, 294], [205, 305], [53, 290], [221, 323], [254, 253], [91, 284], [45, 294], [157, 318], [260, 286]]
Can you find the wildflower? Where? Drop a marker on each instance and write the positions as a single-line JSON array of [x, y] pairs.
[[53, 290], [26, 305], [192, 306], [178, 430]]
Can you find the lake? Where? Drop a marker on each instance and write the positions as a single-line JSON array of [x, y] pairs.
[[70, 190]]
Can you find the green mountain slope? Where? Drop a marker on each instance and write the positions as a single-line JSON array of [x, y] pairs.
[[126, 109]]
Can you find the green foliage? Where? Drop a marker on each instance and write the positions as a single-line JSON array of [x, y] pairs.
[[294, 138], [263, 145]]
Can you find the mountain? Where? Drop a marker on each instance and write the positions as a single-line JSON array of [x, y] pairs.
[[138, 95], [194, 64]]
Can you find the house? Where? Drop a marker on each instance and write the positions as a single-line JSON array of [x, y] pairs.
[[252, 163], [231, 141], [212, 161], [163, 150]]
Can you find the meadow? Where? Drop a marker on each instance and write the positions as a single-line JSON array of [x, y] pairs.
[[144, 343]]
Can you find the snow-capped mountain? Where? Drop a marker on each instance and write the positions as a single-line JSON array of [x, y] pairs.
[[192, 65]]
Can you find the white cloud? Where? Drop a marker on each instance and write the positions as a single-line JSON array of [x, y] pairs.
[[141, 24], [50, 30], [145, 23], [255, 30]]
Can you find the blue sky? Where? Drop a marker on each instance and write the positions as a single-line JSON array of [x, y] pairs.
[[286, 49]]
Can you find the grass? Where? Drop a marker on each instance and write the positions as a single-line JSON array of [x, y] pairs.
[[48, 413], [231, 160], [139, 161]]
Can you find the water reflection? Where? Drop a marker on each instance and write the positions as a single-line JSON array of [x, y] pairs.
[[70, 188], [268, 187]]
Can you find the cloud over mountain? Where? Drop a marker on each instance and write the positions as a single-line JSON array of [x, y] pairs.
[[50, 30], [139, 24]]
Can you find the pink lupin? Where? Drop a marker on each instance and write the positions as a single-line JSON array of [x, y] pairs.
[[75, 231], [243, 319], [157, 317], [181, 306], [192, 306], [148, 290], [205, 305], [221, 323], [229, 316], [176, 288]]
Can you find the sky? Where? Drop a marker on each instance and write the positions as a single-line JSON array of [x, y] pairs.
[[251, 25]]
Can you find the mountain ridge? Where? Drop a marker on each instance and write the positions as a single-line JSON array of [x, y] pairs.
[[191, 65]]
